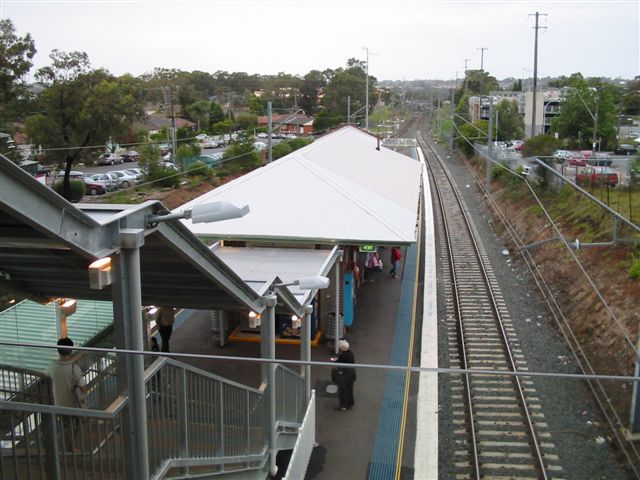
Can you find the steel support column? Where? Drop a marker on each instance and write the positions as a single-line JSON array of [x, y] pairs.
[[268, 350], [131, 304], [305, 352]]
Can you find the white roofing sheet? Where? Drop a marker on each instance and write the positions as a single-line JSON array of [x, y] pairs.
[[338, 189], [259, 267]]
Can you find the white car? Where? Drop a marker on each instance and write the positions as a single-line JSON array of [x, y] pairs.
[[263, 135], [125, 179], [136, 172], [259, 146], [109, 182]]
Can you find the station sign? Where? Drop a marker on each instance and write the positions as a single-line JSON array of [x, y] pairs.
[[368, 249]]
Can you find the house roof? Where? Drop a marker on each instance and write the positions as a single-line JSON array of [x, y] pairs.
[[290, 120], [339, 189], [156, 122]]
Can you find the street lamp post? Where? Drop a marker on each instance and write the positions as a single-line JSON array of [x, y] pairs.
[[366, 92]]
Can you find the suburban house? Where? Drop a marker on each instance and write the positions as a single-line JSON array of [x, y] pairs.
[[154, 123], [296, 124]]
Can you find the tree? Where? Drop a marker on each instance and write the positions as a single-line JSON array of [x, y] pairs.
[[575, 123], [216, 114], [15, 61], [541, 145], [631, 98], [241, 156], [80, 108], [311, 85], [325, 120], [478, 82], [199, 112], [510, 122], [349, 82], [246, 121], [470, 134]]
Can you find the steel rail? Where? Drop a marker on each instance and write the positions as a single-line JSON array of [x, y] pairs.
[[498, 316]]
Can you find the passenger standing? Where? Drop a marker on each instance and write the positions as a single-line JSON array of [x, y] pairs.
[[166, 319], [347, 375], [396, 255], [67, 380]]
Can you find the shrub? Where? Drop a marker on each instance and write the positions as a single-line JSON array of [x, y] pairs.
[[77, 189], [279, 150], [198, 168], [541, 145], [634, 271], [164, 177]]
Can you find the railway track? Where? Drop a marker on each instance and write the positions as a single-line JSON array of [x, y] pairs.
[[499, 424]]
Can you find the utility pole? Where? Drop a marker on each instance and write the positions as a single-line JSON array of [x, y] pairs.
[[535, 73], [490, 145], [482, 49], [595, 124], [452, 112], [269, 132], [366, 93], [465, 65], [349, 110], [168, 99]]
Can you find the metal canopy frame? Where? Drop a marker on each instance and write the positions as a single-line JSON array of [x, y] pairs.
[[47, 244]]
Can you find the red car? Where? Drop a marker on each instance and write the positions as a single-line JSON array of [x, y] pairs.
[[598, 176], [577, 160], [94, 188]]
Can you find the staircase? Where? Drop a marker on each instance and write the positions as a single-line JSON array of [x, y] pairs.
[[199, 426]]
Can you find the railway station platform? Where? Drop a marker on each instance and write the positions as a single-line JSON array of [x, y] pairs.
[[393, 411]]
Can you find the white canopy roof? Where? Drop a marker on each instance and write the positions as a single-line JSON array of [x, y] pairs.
[[340, 189], [261, 268]]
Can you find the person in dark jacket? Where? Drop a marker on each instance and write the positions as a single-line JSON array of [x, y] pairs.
[[347, 376]]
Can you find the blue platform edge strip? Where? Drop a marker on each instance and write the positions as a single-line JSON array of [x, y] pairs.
[[385, 450]]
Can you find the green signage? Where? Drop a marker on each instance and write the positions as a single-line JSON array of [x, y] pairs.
[[368, 248]]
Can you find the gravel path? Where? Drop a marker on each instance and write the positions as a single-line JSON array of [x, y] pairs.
[[576, 427]]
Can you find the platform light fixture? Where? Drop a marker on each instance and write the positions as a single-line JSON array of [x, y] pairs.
[[306, 283], [254, 319], [100, 273], [207, 213]]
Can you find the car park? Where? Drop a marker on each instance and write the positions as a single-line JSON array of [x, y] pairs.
[[604, 176], [109, 159], [625, 149]]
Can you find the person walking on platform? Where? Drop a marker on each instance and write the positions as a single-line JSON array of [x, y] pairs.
[[166, 319], [396, 255], [347, 376]]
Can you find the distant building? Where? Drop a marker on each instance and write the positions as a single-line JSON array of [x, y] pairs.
[[155, 123], [548, 104], [296, 124]]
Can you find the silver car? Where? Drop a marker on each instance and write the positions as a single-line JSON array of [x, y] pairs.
[[122, 178]]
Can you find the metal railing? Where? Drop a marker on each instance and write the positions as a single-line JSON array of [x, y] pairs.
[[290, 396], [24, 385], [304, 444], [194, 420], [193, 414], [49, 442]]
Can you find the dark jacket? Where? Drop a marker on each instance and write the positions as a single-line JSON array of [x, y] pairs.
[[348, 372]]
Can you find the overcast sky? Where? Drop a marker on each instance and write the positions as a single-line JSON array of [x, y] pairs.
[[407, 39]]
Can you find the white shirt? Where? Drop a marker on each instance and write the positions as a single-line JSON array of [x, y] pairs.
[[65, 377]]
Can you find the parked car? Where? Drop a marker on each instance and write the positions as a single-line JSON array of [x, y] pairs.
[[73, 175], [123, 178], [291, 135], [94, 188], [276, 135], [625, 149], [263, 135], [43, 170], [103, 178], [577, 160], [563, 154], [131, 156], [259, 146], [170, 166], [164, 148], [109, 159], [135, 172], [598, 176], [586, 153], [601, 159], [518, 145]]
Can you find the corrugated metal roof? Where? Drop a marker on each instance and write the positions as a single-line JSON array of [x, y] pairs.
[[339, 189], [31, 322]]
